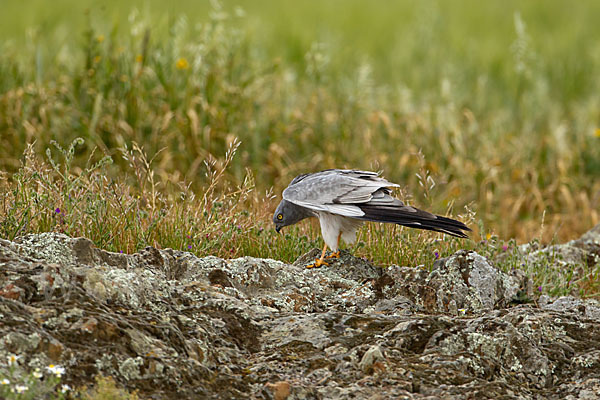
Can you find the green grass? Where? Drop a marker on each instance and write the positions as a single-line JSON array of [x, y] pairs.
[[194, 118], [21, 382]]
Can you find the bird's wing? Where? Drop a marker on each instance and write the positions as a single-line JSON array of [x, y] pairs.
[[385, 208], [339, 191]]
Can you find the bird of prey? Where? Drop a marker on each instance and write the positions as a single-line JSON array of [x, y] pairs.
[[342, 199]]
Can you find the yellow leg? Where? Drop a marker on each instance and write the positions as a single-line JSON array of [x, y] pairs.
[[319, 261], [337, 253]]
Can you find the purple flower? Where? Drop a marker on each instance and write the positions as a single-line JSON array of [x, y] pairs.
[[57, 210], [121, 251], [239, 227], [539, 288], [189, 246], [504, 248], [437, 255]]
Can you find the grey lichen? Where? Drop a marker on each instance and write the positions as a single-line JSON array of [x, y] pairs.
[[174, 325], [130, 368]]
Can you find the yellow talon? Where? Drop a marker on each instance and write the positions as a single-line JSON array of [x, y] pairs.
[[321, 261], [318, 263]]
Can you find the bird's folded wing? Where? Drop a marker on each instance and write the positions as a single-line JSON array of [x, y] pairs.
[[339, 191]]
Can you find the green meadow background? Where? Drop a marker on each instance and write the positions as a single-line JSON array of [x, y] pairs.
[[178, 125]]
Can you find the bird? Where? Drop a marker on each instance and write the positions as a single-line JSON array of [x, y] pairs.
[[343, 199]]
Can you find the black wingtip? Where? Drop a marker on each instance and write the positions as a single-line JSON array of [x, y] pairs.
[[416, 219]]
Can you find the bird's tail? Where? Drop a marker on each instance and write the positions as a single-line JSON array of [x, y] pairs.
[[413, 218]]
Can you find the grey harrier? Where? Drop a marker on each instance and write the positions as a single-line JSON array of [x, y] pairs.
[[343, 199]]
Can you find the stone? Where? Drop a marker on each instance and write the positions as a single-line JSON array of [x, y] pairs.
[[172, 325]]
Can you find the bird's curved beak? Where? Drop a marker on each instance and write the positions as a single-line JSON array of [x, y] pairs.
[[278, 228]]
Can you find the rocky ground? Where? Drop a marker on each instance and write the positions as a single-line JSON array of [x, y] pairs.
[[172, 325]]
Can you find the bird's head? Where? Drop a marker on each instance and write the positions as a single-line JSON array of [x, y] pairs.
[[288, 214]]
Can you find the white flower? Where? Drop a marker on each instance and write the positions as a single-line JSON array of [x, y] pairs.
[[37, 374], [12, 359], [4, 382], [21, 388], [65, 388], [56, 370]]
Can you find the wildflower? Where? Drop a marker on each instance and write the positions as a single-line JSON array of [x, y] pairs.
[[56, 370], [57, 210], [504, 247], [597, 132], [100, 38], [539, 288], [488, 236], [97, 59], [4, 382], [182, 64], [37, 374], [436, 254], [12, 359], [65, 388], [21, 388], [189, 246]]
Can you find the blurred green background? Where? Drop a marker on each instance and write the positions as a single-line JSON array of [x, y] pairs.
[[390, 35], [493, 106]]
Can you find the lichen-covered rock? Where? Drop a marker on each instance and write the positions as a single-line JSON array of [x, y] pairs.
[[172, 325], [573, 259]]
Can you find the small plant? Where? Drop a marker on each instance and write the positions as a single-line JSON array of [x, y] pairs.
[[106, 389], [16, 382]]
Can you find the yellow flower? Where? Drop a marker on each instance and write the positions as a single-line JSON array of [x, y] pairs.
[[182, 63], [97, 59], [100, 38], [488, 236], [21, 389], [12, 359], [56, 370], [139, 58], [597, 132]]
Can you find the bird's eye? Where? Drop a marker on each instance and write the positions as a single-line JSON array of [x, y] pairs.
[[280, 216]]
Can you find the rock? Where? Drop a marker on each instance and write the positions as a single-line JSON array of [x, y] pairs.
[[370, 358], [571, 261], [172, 325], [570, 304], [281, 390]]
